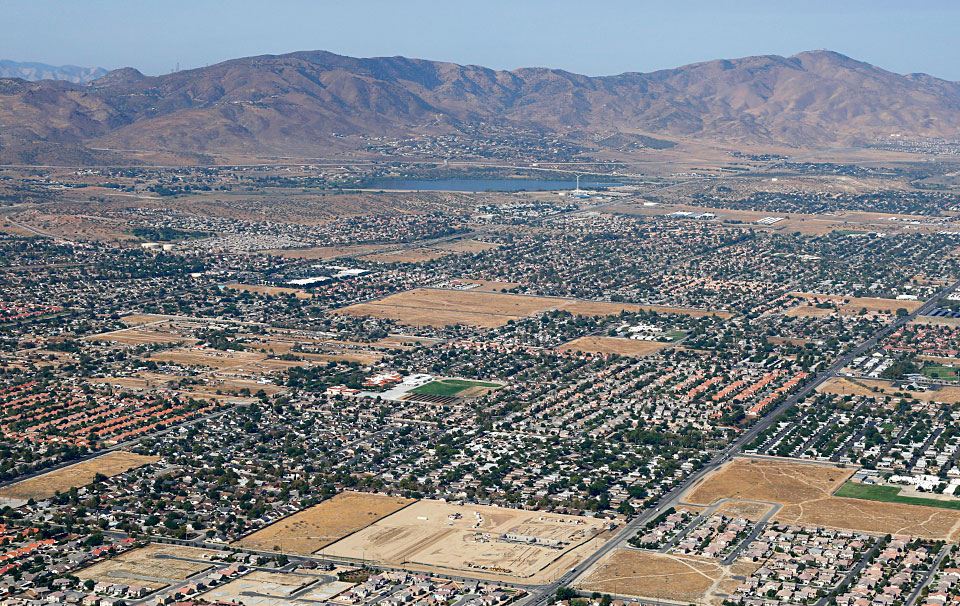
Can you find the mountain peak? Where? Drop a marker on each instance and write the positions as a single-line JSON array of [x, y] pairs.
[[296, 103]]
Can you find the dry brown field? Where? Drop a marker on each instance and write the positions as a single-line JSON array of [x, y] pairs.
[[152, 566], [660, 576], [746, 509], [429, 535], [936, 321], [271, 290], [75, 476], [133, 336], [249, 361], [806, 492], [312, 529], [878, 388], [140, 319], [439, 307], [614, 345], [360, 357]]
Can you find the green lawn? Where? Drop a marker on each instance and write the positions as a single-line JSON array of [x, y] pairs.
[[450, 387], [938, 371], [889, 494], [674, 335]]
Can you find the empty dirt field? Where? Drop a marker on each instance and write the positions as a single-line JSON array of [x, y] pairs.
[[614, 345], [140, 319], [253, 362], [438, 307], [314, 528], [134, 336], [154, 566], [664, 577], [75, 476], [880, 388], [806, 493], [443, 537]]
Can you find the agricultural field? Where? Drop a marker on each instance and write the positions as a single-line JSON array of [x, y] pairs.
[[444, 537], [614, 345], [75, 476], [154, 566], [314, 528], [807, 493]]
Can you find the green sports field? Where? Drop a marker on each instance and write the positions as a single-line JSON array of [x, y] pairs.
[[889, 494], [450, 387]]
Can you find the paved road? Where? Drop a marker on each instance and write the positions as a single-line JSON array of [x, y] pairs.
[[934, 568]]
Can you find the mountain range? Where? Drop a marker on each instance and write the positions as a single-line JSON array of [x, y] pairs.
[[42, 71], [304, 103]]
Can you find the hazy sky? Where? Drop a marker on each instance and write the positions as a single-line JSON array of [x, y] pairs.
[[596, 38]]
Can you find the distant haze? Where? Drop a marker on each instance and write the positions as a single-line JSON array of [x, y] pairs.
[[42, 71], [600, 38]]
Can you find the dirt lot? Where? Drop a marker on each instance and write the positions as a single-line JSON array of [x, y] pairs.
[[436, 307], [250, 361], [314, 528], [746, 509], [133, 336], [140, 319], [431, 535], [77, 475], [151, 566], [613, 345], [661, 576], [263, 583], [806, 490], [271, 290], [936, 321], [878, 388]]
